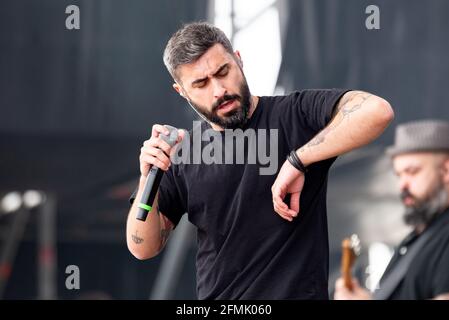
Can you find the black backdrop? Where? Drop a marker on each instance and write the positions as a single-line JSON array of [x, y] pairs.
[[76, 105]]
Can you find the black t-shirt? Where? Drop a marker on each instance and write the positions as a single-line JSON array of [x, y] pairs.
[[245, 249], [428, 274]]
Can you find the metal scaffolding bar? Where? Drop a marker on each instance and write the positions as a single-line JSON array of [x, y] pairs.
[[47, 264], [11, 246]]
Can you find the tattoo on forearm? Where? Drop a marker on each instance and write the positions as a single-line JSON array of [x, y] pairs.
[[351, 103], [319, 138], [136, 239], [165, 225], [348, 108]]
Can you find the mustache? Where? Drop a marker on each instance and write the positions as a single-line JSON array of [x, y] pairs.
[[406, 194], [223, 99]]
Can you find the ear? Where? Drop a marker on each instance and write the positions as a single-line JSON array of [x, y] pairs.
[[238, 58], [178, 89]]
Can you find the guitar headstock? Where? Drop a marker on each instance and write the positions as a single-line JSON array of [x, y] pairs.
[[355, 244]]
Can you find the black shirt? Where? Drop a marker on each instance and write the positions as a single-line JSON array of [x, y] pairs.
[[428, 274], [245, 249]]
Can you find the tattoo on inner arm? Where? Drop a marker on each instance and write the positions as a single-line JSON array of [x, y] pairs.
[[351, 103], [166, 227], [136, 239]]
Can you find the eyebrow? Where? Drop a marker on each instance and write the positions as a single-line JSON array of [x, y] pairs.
[[411, 167], [214, 74]]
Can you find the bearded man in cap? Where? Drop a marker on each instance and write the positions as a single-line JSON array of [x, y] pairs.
[[419, 268]]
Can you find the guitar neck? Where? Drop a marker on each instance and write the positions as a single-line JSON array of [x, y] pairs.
[[347, 261]]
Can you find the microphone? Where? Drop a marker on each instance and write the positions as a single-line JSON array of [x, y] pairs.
[[154, 178]]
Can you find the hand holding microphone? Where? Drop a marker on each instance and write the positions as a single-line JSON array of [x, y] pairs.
[[154, 160]]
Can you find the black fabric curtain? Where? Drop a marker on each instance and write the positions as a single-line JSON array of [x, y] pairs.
[[405, 61], [107, 78]]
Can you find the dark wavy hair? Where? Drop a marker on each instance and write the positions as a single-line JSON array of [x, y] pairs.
[[190, 42]]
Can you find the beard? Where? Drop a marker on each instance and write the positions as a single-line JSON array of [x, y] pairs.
[[423, 212], [233, 119]]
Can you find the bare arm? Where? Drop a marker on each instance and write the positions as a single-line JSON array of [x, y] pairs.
[[145, 239], [359, 118]]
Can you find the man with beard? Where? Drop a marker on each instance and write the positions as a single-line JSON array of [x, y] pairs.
[[419, 269], [253, 243]]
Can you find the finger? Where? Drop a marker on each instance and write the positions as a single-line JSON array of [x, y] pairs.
[[157, 129], [282, 209], [153, 161], [341, 292], [279, 212], [175, 148], [158, 154], [282, 205], [355, 283], [158, 143], [156, 162], [340, 283], [181, 135], [294, 202], [277, 196], [144, 168], [279, 202]]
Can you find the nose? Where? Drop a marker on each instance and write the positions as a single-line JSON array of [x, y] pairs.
[[403, 183], [219, 89]]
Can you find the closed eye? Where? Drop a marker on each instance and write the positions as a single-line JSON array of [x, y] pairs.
[[222, 72], [200, 84], [412, 171]]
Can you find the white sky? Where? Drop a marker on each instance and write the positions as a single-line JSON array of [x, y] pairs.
[[259, 43]]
